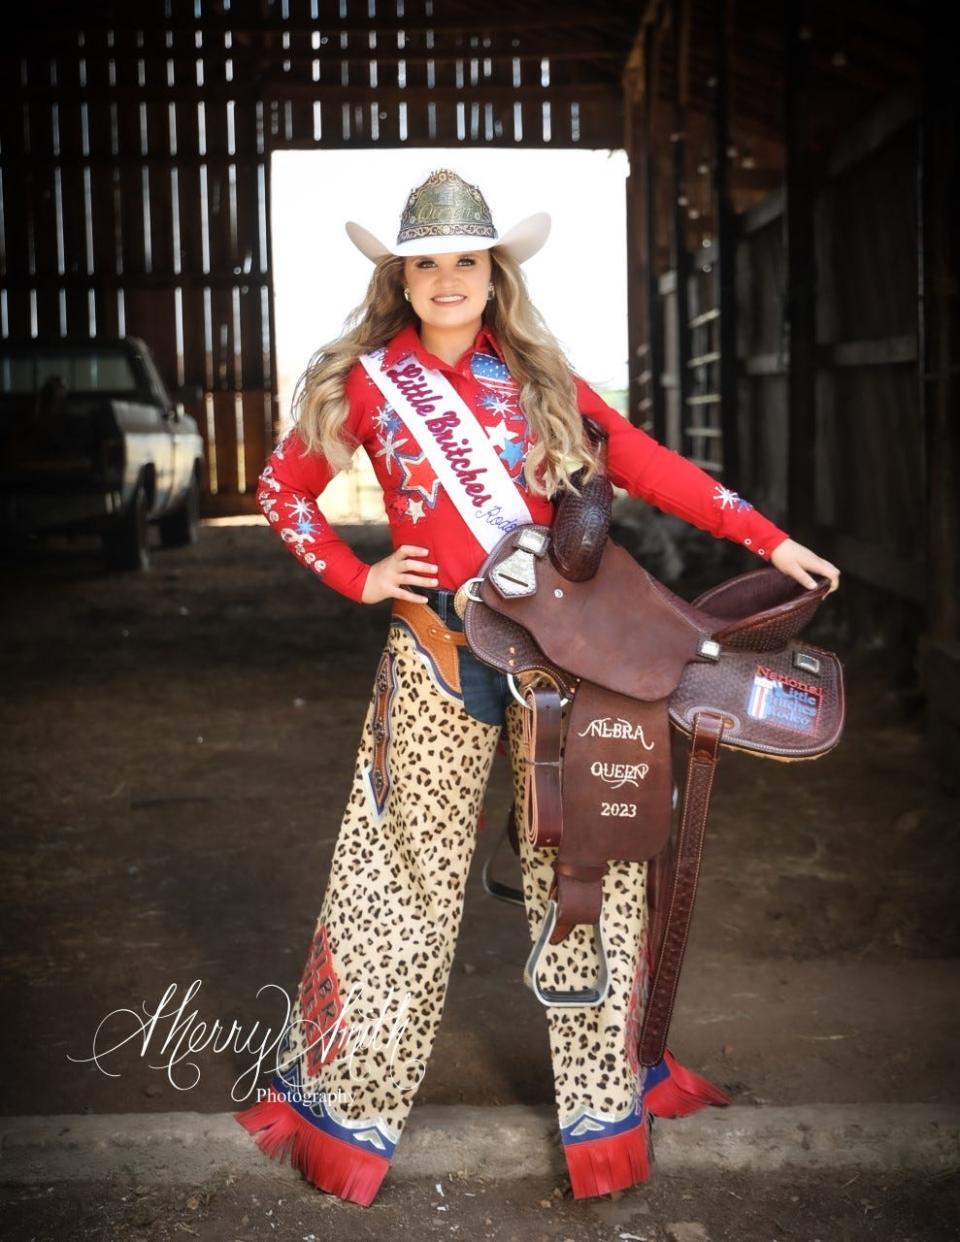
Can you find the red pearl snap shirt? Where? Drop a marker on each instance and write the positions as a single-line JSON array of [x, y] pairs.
[[420, 512]]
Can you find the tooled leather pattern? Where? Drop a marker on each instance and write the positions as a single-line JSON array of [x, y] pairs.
[[578, 532], [685, 874], [728, 687], [579, 529], [760, 610], [509, 647], [386, 688]]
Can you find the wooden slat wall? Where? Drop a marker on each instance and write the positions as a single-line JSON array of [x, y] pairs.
[[870, 444], [762, 367], [832, 445], [135, 161], [867, 482]]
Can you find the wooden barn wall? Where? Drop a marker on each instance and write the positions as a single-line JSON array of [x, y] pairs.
[[870, 434], [748, 126], [762, 360], [135, 165], [867, 484]]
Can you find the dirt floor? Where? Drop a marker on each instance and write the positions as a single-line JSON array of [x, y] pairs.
[[178, 747], [839, 1208]]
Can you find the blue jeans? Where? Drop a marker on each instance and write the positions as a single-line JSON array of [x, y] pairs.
[[485, 690]]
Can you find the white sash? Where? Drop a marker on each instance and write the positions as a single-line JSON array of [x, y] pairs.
[[455, 444]]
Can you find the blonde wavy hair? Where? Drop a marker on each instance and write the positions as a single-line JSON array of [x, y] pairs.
[[533, 356]]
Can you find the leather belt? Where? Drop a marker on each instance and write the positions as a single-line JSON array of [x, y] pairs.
[[434, 596], [435, 637]]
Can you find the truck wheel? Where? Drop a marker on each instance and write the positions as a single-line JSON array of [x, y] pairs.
[[182, 527], [125, 546]]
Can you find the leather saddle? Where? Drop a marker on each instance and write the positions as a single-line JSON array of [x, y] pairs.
[[612, 661]]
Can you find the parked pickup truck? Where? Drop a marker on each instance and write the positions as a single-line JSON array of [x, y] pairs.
[[91, 440]]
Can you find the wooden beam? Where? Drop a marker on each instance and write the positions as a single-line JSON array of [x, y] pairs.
[[765, 364], [154, 50], [653, 36], [876, 129], [939, 324], [764, 213], [680, 259], [800, 309], [131, 279], [874, 563], [726, 242], [876, 352], [353, 93], [488, 23]]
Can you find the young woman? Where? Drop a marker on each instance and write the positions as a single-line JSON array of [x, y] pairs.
[[447, 312]]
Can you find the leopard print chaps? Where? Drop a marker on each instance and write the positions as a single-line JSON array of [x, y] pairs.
[[375, 979]]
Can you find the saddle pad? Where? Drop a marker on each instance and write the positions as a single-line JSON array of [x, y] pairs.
[[773, 706]]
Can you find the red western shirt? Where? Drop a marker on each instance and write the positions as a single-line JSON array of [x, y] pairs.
[[418, 509]]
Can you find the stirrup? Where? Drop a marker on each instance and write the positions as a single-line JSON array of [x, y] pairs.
[[506, 892], [595, 995]]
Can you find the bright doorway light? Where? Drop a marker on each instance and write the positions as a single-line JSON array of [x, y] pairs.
[[578, 280]]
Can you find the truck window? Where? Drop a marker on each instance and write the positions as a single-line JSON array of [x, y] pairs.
[[81, 371]]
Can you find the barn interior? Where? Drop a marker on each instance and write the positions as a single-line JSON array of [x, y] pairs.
[[179, 739]]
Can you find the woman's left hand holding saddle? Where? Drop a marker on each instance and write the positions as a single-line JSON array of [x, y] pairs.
[[795, 560]]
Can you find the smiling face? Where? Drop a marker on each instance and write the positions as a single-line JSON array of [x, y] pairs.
[[448, 290]]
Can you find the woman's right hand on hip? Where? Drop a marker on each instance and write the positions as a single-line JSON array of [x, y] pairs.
[[390, 578]]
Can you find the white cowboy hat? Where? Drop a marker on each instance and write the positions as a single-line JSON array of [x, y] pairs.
[[445, 214]]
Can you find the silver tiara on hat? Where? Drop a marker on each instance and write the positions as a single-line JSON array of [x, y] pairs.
[[445, 214], [445, 205]]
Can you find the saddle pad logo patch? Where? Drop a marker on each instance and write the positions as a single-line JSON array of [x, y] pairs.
[[784, 701]]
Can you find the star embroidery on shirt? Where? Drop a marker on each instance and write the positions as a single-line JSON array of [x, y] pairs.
[[306, 529], [415, 510], [300, 508], [387, 419], [724, 497], [395, 504], [512, 453], [497, 434], [497, 403], [418, 476], [389, 451]]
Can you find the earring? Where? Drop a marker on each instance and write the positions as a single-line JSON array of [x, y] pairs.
[[490, 292], [406, 294]]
